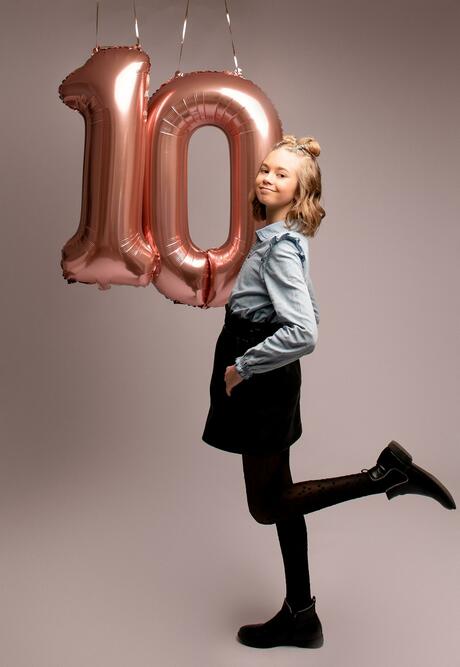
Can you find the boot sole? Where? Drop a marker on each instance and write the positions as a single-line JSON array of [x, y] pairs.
[[307, 643], [406, 459]]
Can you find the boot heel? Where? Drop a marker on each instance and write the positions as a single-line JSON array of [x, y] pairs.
[[310, 643], [393, 490], [400, 453]]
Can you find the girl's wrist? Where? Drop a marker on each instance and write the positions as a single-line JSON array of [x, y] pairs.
[[241, 368]]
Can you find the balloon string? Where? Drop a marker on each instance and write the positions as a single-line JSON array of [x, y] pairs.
[[136, 25], [97, 24], [237, 70]]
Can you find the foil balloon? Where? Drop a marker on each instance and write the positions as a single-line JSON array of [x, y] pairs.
[[179, 107], [110, 92]]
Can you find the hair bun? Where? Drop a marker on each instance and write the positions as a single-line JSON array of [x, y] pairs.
[[289, 139], [312, 145], [308, 144]]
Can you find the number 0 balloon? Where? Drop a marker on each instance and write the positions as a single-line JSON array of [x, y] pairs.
[[250, 123]]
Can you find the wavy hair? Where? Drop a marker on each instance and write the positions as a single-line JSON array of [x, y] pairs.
[[306, 212]]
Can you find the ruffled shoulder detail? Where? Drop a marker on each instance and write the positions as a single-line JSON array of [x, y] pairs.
[[276, 239]]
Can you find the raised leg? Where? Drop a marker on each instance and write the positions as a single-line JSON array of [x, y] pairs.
[[272, 497]]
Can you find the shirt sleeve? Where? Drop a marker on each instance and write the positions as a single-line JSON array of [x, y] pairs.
[[287, 288], [313, 298]]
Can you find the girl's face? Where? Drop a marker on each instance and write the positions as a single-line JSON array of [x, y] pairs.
[[276, 182]]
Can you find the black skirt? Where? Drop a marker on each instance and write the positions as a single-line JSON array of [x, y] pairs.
[[262, 414]]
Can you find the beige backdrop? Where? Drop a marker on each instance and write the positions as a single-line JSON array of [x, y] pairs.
[[125, 539]]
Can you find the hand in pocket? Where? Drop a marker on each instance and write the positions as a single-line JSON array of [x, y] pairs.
[[232, 378]]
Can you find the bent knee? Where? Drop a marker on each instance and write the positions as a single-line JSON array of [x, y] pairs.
[[262, 514]]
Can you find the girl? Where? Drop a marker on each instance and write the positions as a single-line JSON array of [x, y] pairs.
[[271, 320]]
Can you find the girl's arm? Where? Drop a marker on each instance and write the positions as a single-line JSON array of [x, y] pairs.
[[283, 275]]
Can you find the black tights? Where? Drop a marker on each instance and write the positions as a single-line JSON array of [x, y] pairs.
[[274, 498]]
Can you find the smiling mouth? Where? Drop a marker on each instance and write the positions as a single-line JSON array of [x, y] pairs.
[[267, 189]]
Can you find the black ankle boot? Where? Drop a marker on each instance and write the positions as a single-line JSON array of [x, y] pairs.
[[286, 628], [412, 478]]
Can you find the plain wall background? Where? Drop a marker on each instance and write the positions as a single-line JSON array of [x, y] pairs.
[[125, 539]]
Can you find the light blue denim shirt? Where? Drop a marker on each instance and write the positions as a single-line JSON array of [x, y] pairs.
[[274, 285]]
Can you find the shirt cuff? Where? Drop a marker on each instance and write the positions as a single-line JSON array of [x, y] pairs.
[[242, 368]]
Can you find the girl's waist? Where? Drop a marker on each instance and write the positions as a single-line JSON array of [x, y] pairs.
[[244, 327]]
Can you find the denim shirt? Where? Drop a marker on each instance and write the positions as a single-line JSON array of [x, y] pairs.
[[274, 285]]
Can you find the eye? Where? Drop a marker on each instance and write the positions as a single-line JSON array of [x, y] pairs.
[[283, 175]]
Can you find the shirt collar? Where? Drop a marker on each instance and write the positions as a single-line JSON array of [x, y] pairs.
[[270, 230]]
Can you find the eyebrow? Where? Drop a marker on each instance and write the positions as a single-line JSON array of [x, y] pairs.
[[264, 164]]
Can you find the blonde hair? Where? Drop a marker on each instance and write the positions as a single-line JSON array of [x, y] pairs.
[[306, 210]]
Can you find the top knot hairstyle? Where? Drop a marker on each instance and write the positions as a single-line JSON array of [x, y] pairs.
[[306, 144], [306, 212]]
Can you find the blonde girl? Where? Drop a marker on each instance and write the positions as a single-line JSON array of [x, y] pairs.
[[271, 321]]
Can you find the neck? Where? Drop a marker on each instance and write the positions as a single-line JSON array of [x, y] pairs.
[[274, 214]]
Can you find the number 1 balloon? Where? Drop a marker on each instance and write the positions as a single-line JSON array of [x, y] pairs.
[[134, 226], [110, 92]]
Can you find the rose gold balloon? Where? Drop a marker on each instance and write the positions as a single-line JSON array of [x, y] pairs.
[[251, 124], [109, 90]]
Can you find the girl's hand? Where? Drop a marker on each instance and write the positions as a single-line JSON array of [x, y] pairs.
[[232, 378]]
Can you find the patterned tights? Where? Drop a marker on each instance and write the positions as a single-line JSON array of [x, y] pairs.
[[274, 498]]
